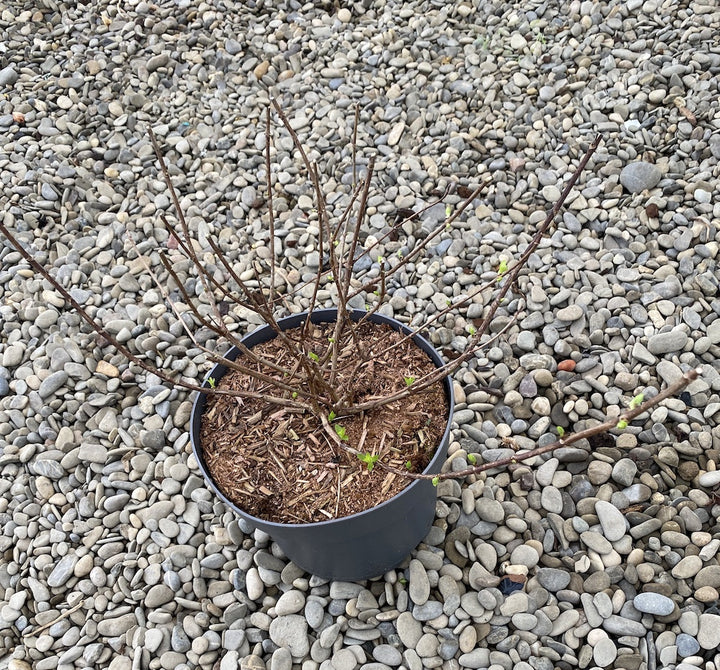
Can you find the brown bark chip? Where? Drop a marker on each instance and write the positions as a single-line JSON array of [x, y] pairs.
[[280, 465]]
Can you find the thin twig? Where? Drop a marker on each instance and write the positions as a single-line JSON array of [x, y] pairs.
[[421, 246], [339, 487], [121, 347], [185, 227], [64, 615], [354, 144], [609, 424], [510, 278], [271, 213]]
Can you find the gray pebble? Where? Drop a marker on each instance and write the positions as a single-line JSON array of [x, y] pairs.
[[640, 176], [618, 625], [551, 500], [664, 343], [388, 655], [611, 519], [624, 471], [115, 626], [653, 603], [708, 635], [291, 631], [687, 645], [553, 579], [419, 585], [8, 75], [52, 383], [604, 652], [427, 611], [709, 479], [62, 571]]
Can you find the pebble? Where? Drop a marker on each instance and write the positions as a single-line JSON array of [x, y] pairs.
[[570, 313], [708, 635], [291, 631], [409, 630], [525, 555], [709, 479], [604, 652], [618, 625], [53, 383], [709, 575], [419, 583], [8, 76], [611, 519], [113, 627], [62, 571], [653, 603], [553, 579], [384, 653], [551, 500], [687, 645], [687, 567], [158, 595], [624, 471], [290, 602], [664, 343], [640, 176]]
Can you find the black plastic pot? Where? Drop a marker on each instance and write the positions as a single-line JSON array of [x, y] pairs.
[[362, 545]]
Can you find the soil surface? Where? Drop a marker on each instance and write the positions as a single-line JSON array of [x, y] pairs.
[[279, 464]]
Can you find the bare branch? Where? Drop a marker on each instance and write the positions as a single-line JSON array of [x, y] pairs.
[[609, 424], [121, 347], [510, 279], [271, 213]]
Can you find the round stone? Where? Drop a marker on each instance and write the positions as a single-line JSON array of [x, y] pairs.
[[570, 313], [709, 479], [708, 576], [653, 603], [409, 629], [387, 654], [596, 542], [343, 659], [599, 472], [706, 594], [553, 579], [687, 567], [290, 602], [551, 499], [708, 635], [419, 586], [489, 510], [604, 652], [640, 176], [686, 645], [624, 471], [524, 555], [291, 631], [611, 519], [665, 343]]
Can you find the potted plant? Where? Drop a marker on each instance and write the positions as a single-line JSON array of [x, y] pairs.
[[329, 428], [361, 544]]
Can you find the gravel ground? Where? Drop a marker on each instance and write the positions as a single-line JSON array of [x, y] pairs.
[[116, 555]]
